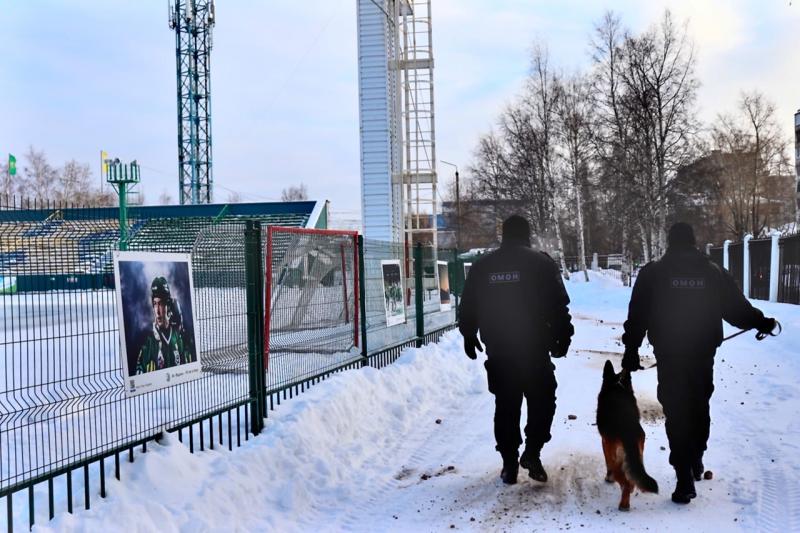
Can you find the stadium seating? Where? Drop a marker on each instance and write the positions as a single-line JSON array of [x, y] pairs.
[[76, 241]]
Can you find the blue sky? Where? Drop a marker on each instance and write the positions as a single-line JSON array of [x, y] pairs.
[[79, 76]]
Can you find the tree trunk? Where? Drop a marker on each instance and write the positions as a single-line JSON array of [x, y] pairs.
[[627, 266], [624, 240], [645, 243], [560, 244], [581, 242]]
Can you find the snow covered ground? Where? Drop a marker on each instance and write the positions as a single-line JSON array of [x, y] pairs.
[[410, 448]]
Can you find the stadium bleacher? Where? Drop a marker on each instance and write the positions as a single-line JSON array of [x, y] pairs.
[[44, 244]]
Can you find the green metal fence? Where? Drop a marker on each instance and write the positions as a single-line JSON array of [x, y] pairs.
[[65, 418]]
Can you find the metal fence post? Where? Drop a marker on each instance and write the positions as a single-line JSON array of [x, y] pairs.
[[418, 288], [254, 275], [458, 275], [746, 266], [726, 257], [362, 301]]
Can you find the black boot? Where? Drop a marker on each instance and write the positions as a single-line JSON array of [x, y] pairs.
[[531, 462], [698, 469], [510, 469], [684, 489]]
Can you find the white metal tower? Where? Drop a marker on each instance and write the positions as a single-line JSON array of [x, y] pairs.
[[398, 149]]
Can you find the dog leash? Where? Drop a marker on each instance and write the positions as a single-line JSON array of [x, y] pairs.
[[759, 336]]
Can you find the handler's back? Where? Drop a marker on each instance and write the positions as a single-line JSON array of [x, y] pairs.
[[681, 300], [515, 297]]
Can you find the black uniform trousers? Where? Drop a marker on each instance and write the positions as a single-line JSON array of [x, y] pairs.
[[685, 386], [510, 385]]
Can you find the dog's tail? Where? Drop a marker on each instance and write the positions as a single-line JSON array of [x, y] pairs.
[[634, 468]]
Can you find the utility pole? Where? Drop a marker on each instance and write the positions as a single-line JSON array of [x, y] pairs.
[[458, 206]]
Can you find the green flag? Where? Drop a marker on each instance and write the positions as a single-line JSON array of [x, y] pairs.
[[12, 165]]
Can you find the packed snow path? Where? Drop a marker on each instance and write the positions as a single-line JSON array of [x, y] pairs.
[[410, 448]]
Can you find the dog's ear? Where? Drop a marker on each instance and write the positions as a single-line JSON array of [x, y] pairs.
[[608, 371]]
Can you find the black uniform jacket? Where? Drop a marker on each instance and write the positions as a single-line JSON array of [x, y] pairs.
[[515, 297], [680, 302]]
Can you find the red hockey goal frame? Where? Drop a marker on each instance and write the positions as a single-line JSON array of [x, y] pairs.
[[271, 230]]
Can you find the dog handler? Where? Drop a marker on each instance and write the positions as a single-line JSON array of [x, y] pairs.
[[680, 301], [515, 297]]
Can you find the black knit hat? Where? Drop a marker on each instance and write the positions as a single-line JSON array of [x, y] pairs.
[[680, 234], [516, 229]]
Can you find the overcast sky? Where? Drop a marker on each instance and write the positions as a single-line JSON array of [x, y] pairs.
[[78, 76]]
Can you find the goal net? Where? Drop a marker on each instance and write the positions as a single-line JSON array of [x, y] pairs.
[[311, 291]]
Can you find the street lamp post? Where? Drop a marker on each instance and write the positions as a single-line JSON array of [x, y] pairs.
[[458, 206]]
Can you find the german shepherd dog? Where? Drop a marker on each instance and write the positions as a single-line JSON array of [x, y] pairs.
[[622, 434]]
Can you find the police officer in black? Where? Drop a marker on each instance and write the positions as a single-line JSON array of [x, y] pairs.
[[680, 301], [515, 297]]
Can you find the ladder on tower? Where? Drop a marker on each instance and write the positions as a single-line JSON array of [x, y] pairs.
[[419, 177]]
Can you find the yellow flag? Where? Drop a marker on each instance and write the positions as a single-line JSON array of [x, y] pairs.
[[103, 164]]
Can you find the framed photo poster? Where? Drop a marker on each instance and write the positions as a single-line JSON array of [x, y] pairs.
[[155, 309], [393, 292]]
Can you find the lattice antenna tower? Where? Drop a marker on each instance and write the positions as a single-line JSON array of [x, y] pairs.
[[193, 21], [419, 175]]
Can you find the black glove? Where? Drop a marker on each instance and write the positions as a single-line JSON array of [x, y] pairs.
[[766, 325], [630, 361], [559, 348], [470, 343]]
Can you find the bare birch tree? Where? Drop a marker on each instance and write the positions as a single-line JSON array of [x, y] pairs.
[[613, 139], [74, 184], [661, 86], [7, 184], [755, 149], [575, 149], [294, 193], [647, 125], [39, 177], [542, 95]]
